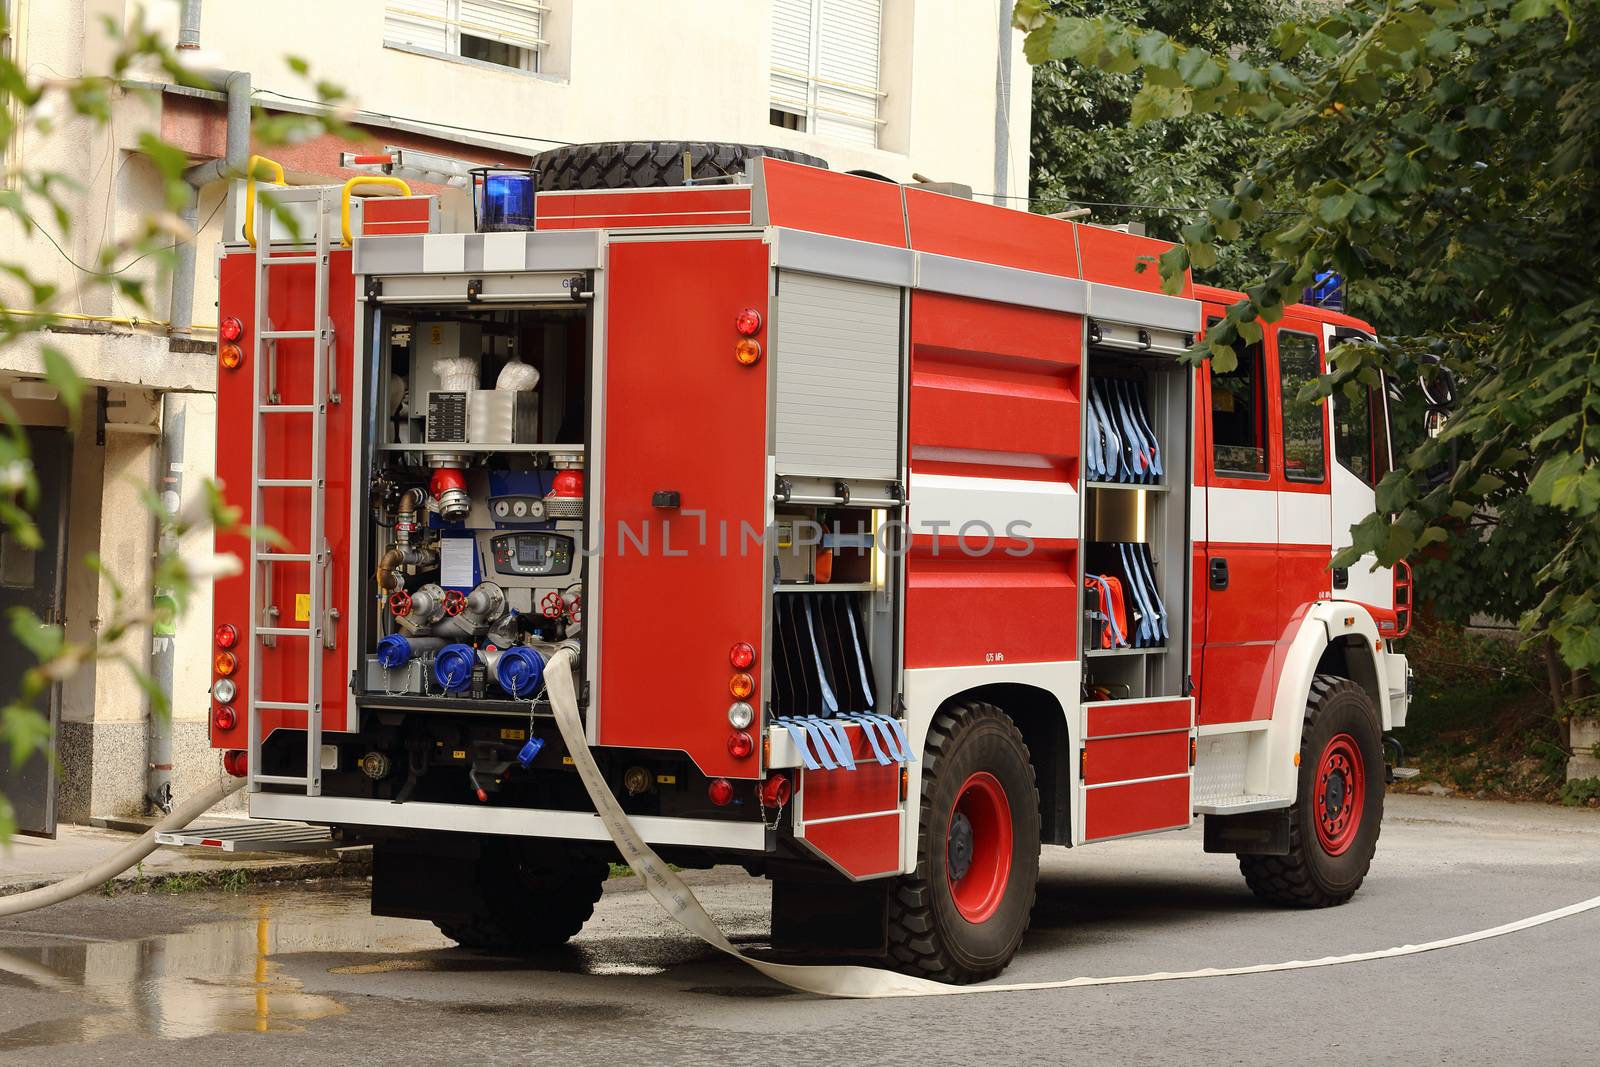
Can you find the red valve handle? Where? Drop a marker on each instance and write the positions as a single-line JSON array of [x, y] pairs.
[[553, 606], [575, 609], [400, 604], [454, 602]]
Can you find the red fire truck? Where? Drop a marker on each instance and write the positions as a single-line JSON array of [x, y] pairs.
[[893, 538]]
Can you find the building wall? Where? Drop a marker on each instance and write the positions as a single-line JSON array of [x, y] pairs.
[[646, 70], [614, 70]]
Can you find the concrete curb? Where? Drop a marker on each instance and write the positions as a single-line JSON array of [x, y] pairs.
[[217, 870]]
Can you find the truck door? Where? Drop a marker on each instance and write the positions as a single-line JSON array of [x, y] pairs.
[[1360, 460], [685, 494], [1240, 555]]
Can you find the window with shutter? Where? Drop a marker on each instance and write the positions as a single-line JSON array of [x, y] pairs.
[[825, 75], [507, 33]]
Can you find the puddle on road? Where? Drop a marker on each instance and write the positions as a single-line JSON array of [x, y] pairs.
[[214, 977], [221, 976]]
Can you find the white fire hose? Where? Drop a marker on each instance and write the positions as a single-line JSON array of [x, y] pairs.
[[124, 857], [848, 981]]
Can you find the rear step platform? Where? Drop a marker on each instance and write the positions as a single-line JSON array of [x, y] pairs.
[[254, 836]]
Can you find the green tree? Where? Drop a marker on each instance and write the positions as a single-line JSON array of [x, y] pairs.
[[1442, 156], [38, 104], [1158, 172]]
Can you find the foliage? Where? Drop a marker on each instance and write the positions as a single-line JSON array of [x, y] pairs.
[[1159, 172], [38, 199], [1443, 153], [1580, 792], [1481, 720]]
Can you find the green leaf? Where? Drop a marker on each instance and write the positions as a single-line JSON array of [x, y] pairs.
[[1335, 209], [1556, 471], [1199, 69], [23, 731], [59, 372], [1174, 261], [43, 639]]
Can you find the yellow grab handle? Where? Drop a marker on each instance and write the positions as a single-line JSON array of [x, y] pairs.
[[250, 192], [350, 186]]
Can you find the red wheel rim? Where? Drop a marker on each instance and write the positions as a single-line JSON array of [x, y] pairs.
[[1339, 795], [978, 847]]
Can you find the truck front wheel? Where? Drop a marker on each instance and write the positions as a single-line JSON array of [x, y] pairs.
[[961, 916], [1333, 826], [527, 899]]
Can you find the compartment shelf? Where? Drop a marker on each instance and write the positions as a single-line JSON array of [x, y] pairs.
[[1155, 487], [824, 587], [467, 446], [1151, 650]]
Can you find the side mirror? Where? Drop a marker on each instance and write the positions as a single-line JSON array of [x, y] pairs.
[[1438, 383]]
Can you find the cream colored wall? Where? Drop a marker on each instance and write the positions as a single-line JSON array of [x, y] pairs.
[[643, 69]]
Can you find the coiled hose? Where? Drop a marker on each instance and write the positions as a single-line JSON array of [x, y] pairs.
[[124, 857]]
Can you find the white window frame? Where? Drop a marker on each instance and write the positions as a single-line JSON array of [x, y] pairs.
[[453, 25], [817, 110]]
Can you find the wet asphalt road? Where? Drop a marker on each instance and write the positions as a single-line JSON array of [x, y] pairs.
[[303, 974]]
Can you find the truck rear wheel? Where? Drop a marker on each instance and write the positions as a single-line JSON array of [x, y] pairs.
[[960, 918], [528, 900], [1334, 824], [644, 164]]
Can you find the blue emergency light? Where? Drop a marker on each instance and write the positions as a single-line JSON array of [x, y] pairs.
[[1326, 291], [503, 199]]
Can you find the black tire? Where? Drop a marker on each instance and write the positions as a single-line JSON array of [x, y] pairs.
[[928, 935], [1312, 876], [645, 164], [528, 900]]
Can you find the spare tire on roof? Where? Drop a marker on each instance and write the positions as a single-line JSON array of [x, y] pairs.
[[642, 164]]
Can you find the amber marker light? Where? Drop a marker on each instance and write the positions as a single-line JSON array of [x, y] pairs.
[[747, 352]]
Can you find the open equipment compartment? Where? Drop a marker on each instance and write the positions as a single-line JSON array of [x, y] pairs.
[[476, 503], [1136, 559]]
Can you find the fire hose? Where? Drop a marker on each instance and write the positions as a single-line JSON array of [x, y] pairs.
[[832, 980], [124, 857]]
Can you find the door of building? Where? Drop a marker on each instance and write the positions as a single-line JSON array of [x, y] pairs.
[[34, 579]]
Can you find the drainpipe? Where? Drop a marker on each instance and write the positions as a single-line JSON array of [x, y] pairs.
[[169, 453], [233, 164], [1002, 108], [189, 24], [169, 476]]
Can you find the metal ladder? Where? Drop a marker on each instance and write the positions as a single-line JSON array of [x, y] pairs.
[[317, 630]]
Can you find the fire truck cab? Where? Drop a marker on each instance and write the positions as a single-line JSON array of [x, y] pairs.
[[893, 538]]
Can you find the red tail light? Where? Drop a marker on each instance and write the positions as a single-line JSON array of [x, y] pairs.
[[1404, 598], [747, 322], [225, 717], [227, 636], [230, 329], [720, 791], [741, 744], [236, 763], [742, 656]]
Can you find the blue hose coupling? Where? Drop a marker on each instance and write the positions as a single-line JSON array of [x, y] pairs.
[[452, 667], [394, 651], [519, 671]]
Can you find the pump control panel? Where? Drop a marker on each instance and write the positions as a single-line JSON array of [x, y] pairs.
[[532, 554]]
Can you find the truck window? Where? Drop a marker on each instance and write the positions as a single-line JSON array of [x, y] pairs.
[[1305, 457], [1360, 434], [1238, 417]]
